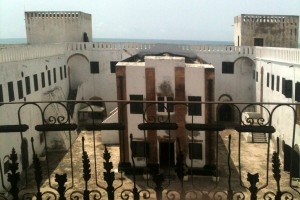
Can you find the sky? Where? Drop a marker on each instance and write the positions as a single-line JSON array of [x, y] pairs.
[[208, 20]]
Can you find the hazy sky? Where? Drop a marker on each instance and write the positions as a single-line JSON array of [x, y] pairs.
[[148, 19]]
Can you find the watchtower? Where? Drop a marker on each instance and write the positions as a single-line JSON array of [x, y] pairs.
[[266, 30], [58, 27]]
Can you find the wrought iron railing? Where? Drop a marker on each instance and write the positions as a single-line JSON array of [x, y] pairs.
[[92, 179]]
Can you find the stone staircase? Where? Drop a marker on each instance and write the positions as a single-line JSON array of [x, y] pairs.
[[259, 138]]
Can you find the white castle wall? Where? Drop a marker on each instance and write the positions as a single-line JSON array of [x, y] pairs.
[[30, 114], [57, 27]]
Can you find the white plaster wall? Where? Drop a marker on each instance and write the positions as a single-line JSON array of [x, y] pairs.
[[30, 114], [283, 125], [134, 75], [111, 136], [195, 86]]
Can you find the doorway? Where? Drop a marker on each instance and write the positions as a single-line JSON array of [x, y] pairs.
[[225, 113], [166, 154]]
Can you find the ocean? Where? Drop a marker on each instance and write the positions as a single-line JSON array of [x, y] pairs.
[[7, 41]]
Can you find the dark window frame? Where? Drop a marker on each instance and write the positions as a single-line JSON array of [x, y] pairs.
[[297, 91], [288, 89], [35, 82], [136, 107], [11, 93], [194, 109], [113, 66], [195, 151], [43, 79], [54, 75], [138, 149], [94, 67], [227, 67], [61, 73], [65, 71], [49, 77], [20, 89], [1, 95], [27, 85], [268, 79]]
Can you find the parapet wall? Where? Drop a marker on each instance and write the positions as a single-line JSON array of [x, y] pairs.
[[270, 18], [25, 52], [57, 14]]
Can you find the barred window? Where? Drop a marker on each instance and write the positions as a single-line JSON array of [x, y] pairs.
[[227, 67], [195, 151]]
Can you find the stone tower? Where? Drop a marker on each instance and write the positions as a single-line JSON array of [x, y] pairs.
[[266, 30], [58, 27]]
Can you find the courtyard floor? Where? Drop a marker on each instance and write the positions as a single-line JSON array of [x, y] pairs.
[[253, 160]]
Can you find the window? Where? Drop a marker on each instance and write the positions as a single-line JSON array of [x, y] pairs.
[[194, 108], [136, 107], [49, 77], [253, 74], [94, 67], [268, 79], [161, 106], [27, 85], [256, 76], [113, 66], [54, 75], [61, 74], [297, 91], [227, 67], [288, 88], [65, 71], [35, 82], [258, 42], [11, 94], [1, 94], [140, 149], [43, 79], [195, 151], [272, 82], [20, 89], [277, 83], [170, 106]]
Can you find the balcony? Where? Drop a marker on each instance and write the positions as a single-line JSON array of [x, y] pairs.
[[44, 154]]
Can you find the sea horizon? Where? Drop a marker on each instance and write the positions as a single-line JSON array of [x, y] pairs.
[[10, 41], [23, 41]]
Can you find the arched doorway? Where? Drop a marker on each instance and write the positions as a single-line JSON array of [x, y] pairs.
[[79, 67], [225, 112]]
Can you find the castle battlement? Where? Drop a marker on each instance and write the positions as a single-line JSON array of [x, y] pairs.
[[57, 15], [293, 20]]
